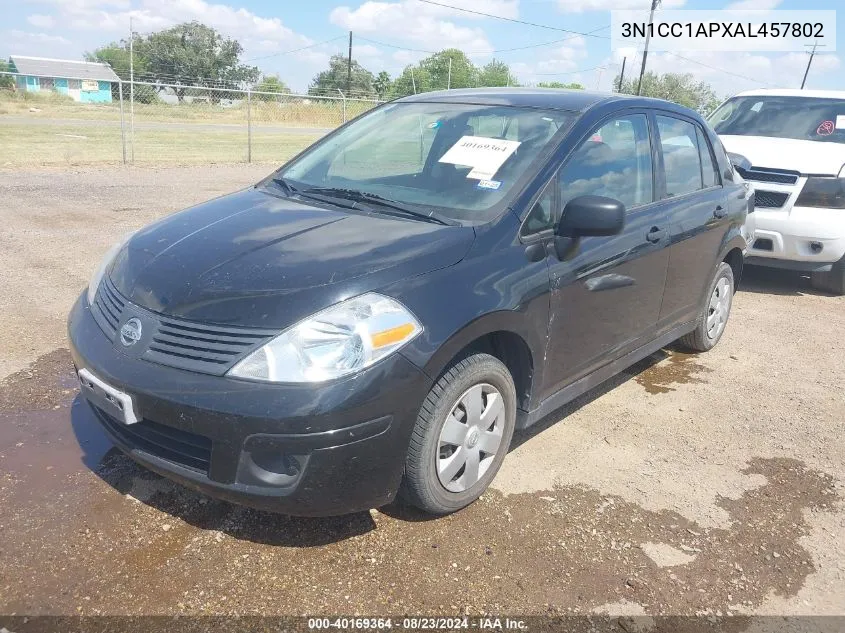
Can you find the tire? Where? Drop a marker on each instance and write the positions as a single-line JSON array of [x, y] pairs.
[[468, 386], [705, 336], [832, 281]]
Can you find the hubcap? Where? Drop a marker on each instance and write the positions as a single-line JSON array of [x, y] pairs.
[[470, 438], [720, 307]]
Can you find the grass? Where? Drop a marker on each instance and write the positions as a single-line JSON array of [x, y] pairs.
[[288, 111], [63, 144]]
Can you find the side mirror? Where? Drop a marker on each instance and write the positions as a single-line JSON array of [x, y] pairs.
[[591, 216], [739, 161]]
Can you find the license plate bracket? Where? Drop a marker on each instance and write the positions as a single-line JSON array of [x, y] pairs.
[[118, 404]]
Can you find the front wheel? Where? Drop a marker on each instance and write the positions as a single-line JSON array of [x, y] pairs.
[[462, 434], [714, 314]]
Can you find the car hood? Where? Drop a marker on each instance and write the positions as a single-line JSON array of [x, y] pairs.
[[806, 157], [256, 259]]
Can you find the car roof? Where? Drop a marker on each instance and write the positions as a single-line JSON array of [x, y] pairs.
[[552, 98], [793, 92]]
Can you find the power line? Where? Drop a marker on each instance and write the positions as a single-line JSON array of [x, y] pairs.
[[721, 70], [296, 50], [489, 52], [514, 20]]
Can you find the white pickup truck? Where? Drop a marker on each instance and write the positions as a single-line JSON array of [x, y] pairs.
[[790, 144]]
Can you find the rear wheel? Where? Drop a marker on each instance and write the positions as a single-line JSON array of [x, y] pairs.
[[714, 314], [832, 281], [461, 436]]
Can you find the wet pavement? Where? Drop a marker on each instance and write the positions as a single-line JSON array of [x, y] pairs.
[[84, 530]]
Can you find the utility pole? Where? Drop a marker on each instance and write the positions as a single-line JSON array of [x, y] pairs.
[[598, 81], [449, 78], [349, 67], [807, 71], [132, 90], [654, 4], [622, 74]]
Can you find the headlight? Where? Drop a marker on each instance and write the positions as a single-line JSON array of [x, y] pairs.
[[823, 192], [97, 277], [338, 341]]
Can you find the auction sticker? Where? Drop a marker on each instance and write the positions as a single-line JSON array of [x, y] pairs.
[[484, 155]]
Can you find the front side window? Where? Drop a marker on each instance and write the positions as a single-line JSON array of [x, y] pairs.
[[461, 159], [681, 159], [615, 162], [803, 118]]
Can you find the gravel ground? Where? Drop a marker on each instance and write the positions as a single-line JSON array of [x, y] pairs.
[[690, 484]]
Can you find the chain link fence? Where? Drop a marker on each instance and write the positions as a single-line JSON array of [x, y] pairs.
[[163, 124]]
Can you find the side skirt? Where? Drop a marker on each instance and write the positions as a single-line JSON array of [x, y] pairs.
[[524, 419]]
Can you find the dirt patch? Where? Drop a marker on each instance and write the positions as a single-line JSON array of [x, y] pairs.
[[160, 548], [45, 384], [676, 368]]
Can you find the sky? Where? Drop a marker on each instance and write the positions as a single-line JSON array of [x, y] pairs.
[[295, 39]]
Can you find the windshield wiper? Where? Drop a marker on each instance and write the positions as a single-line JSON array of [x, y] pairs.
[[374, 199], [284, 184]]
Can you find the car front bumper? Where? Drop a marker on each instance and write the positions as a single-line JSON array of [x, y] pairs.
[[799, 238], [311, 450]]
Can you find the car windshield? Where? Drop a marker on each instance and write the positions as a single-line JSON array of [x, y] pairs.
[[458, 160], [803, 118]]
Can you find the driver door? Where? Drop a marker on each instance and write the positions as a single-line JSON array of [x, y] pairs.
[[606, 294]]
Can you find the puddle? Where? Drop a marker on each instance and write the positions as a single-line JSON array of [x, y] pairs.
[[159, 548], [674, 368]]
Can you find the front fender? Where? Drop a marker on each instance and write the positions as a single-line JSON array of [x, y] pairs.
[[491, 290]]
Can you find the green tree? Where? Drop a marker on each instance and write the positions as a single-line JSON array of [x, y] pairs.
[[382, 84], [559, 84], [463, 73], [6, 81], [270, 84], [496, 73], [195, 54], [677, 87], [116, 55], [329, 81]]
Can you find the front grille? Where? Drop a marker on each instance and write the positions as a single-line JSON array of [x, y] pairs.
[[209, 349], [175, 445], [108, 306], [761, 174], [770, 199], [179, 343]]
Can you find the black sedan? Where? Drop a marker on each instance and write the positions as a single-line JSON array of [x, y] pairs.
[[379, 316]]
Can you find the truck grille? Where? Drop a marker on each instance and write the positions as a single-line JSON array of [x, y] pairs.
[[199, 347], [762, 174], [175, 445], [770, 199]]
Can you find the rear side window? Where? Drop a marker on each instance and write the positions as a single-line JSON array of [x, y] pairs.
[[681, 158], [709, 169], [615, 161]]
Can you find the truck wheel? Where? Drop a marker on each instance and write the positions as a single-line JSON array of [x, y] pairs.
[[832, 281], [714, 314], [462, 434]]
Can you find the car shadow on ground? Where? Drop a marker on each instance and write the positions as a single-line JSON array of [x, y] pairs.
[[777, 281], [137, 484]]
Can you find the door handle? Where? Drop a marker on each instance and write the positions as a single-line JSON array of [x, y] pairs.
[[655, 234], [719, 212]]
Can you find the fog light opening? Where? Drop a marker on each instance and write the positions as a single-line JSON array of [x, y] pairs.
[[816, 247]]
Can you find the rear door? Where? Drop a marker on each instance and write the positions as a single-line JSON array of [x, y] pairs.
[[606, 295], [698, 214]]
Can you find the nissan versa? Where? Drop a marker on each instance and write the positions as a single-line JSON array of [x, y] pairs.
[[379, 315]]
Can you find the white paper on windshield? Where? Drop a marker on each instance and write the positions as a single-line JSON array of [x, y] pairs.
[[840, 121], [484, 155]]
